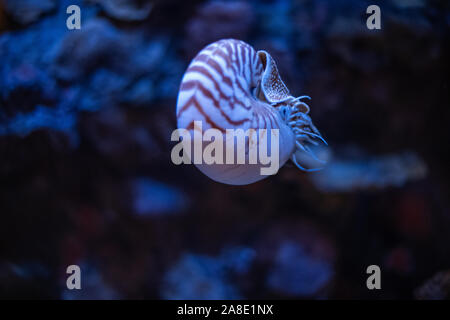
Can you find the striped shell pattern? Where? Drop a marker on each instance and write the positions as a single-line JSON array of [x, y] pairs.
[[229, 85]]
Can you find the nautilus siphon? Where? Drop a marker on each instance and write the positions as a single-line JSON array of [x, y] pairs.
[[230, 86]]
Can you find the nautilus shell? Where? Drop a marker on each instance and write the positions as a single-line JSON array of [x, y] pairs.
[[229, 85]]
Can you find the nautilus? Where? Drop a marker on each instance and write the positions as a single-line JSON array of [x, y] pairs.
[[230, 85]]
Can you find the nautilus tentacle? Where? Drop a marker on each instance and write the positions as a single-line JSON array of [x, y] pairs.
[[229, 85]]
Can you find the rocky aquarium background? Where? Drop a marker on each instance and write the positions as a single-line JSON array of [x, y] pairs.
[[86, 176]]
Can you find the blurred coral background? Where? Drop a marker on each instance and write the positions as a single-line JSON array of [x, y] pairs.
[[86, 176]]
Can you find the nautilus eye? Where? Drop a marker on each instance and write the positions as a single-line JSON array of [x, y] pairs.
[[229, 86]]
